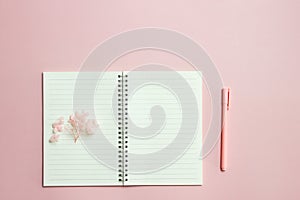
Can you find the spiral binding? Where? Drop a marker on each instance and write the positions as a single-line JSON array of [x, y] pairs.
[[122, 128]]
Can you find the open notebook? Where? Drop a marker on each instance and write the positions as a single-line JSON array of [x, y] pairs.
[[122, 128]]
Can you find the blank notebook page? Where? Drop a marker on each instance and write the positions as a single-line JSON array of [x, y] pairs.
[[93, 159], [164, 128]]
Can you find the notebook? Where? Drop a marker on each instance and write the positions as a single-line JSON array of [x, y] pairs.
[[122, 128]]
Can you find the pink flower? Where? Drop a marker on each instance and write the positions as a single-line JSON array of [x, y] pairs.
[[91, 125], [81, 116], [80, 124], [58, 125], [72, 120], [54, 138]]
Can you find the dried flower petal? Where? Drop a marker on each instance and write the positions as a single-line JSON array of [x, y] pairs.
[[91, 125], [54, 138], [58, 125]]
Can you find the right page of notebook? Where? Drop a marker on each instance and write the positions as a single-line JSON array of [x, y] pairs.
[[164, 128]]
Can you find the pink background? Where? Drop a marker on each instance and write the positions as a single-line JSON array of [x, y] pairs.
[[255, 45]]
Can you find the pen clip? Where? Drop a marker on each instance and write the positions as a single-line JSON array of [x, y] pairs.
[[228, 94]]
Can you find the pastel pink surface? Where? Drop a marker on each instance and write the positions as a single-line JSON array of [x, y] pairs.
[[255, 45]]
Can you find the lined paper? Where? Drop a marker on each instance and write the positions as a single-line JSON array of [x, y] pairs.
[[159, 103], [165, 128], [93, 159]]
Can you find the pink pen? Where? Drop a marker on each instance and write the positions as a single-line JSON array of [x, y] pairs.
[[225, 108]]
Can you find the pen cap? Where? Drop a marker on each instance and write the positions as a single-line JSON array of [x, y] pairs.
[[225, 96]]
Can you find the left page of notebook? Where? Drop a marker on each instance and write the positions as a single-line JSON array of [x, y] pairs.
[[89, 98]]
